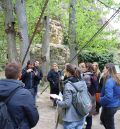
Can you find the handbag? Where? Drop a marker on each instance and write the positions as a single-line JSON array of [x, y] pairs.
[[97, 96]]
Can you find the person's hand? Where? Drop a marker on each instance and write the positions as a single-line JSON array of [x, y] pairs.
[[56, 100], [29, 70]]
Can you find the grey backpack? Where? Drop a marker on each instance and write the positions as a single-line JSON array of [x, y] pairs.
[[82, 99]]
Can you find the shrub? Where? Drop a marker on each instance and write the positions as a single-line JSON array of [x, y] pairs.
[[101, 59]]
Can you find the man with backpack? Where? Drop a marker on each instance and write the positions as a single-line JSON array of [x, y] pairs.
[[17, 105]]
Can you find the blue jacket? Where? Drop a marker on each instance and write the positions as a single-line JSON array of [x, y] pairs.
[[110, 95], [21, 106]]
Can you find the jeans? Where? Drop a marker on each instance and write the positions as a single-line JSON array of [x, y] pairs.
[[74, 125], [35, 90], [107, 117]]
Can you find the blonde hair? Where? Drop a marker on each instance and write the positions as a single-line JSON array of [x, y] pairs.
[[113, 73], [97, 68], [82, 65]]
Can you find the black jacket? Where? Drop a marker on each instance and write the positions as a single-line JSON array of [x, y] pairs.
[[91, 81], [39, 75], [54, 78], [72, 79], [21, 107], [30, 79]]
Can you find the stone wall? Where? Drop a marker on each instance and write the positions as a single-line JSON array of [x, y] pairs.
[[58, 53]]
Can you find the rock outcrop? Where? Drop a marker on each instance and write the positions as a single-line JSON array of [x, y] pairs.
[[56, 32]]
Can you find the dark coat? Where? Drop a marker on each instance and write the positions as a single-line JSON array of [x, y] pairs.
[[54, 79], [30, 79], [21, 106], [72, 79], [91, 81], [39, 76]]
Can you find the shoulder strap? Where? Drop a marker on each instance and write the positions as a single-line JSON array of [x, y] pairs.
[[11, 94]]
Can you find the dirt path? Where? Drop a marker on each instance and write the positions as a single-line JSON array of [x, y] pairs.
[[47, 114]]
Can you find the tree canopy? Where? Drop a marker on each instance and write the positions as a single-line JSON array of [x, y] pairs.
[[88, 21]]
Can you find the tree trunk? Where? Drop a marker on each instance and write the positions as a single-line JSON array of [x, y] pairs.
[[23, 30], [46, 48], [1, 8], [72, 33], [9, 29]]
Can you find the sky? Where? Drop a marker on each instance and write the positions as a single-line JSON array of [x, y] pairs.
[[116, 21]]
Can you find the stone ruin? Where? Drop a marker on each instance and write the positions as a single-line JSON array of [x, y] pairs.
[[59, 53]]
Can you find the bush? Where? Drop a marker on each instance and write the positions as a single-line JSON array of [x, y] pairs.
[[101, 59]]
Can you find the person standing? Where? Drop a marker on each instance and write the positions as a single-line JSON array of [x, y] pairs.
[[28, 75], [110, 96], [21, 106], [99, 76], [71, 118], [38, 76], [54, 79], [92, 85]]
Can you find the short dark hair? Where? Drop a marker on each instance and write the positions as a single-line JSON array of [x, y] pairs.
[[30, 62], [13, 70]]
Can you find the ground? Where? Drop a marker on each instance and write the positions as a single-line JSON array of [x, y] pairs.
[[47, 114]]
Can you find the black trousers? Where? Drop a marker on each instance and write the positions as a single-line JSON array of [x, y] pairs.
[[98, 105], [89, 122], [107, 117]]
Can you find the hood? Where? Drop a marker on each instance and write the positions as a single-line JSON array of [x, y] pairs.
[[80, 85], [87, 73], [71, 79], [7, 86]]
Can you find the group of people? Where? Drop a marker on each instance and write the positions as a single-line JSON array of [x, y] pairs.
[[104, 88]]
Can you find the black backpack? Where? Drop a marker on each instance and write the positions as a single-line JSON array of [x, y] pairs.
[[5, 119]]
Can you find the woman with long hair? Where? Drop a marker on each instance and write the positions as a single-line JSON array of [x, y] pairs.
[[110, 96], [71, 118], [98, 75], [96, 69], [91, 81]]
